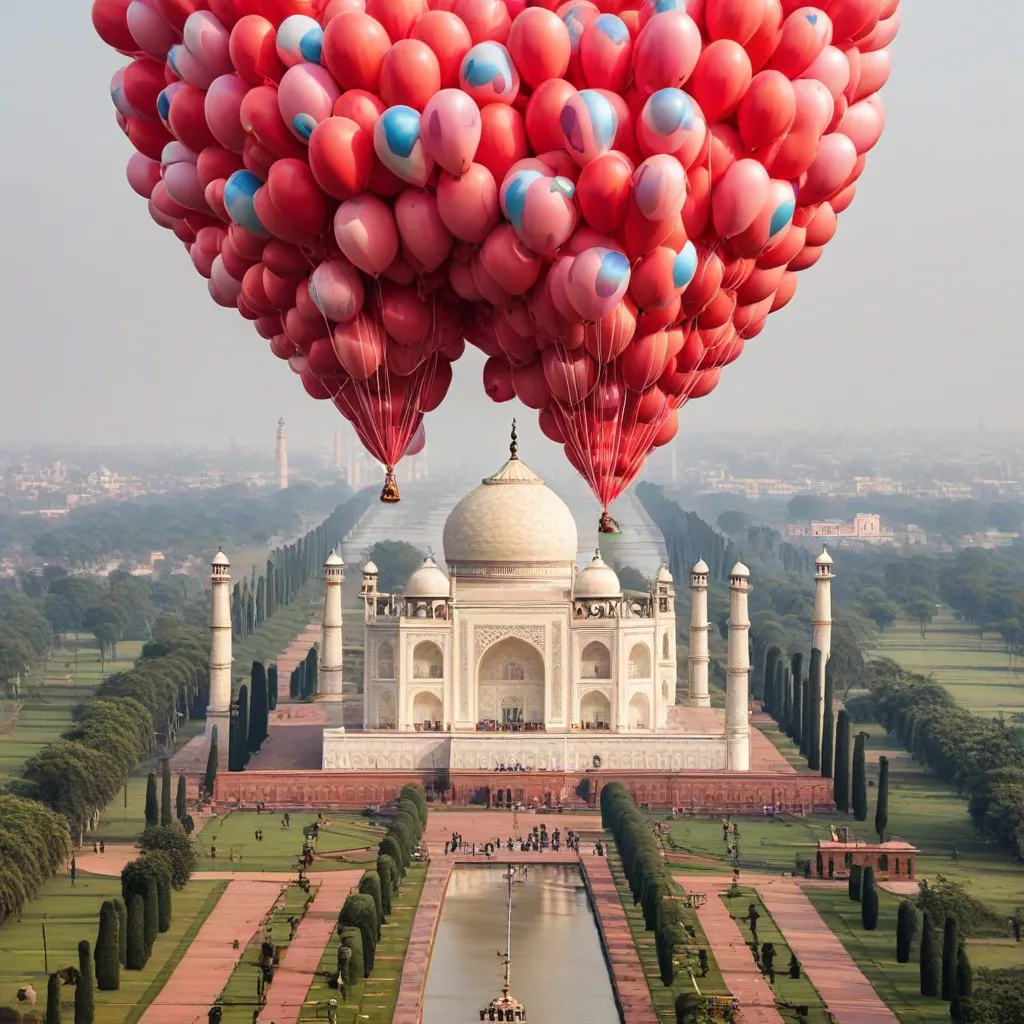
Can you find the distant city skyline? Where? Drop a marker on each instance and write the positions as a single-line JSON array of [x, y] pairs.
[[110, 335]]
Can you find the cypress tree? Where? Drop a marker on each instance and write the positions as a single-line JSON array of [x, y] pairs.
[[796, 668], [122, 930], [151, 914], [166, 808], [906, 928], [311, 674], [805, 718], [108, 967], [950, 945], [770, 658], [868, 901], [859, 788], [163, 897], [776, 691], [152, 806], [841, 769], [136, 957], [272, 687], [853, 886], [240, 733], [211, 765], [259, 710], [814, 722], [370, 886], [54, 990], [882, 799], [85, 998], [828, 724], [931, 957], [385, 868], [964, 974], [181, 799]]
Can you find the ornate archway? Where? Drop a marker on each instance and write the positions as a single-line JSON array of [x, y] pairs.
[[387, 717], [426, 707], [595, 710], [510, 683], [638, 715]]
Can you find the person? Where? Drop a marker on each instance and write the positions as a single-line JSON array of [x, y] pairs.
[[74, 870], [607, 525], [95, 847], [103, 847], [1015, 924]]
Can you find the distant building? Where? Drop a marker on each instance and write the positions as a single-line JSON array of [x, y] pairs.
[[866, 528]]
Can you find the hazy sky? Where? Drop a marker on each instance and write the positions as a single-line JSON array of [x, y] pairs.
[[911, 317]]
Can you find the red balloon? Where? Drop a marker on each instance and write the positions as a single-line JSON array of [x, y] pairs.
[[498, 380], [734, 19], [766, 111], [396, 16], [148, 137], [354, 48], [110, 19], [762, 44], [253, 50], [543, 112], [295, 193], [176, 12], [187, 118], [214, 163], [445, 34], [644, 361], [720, 79], [502, 139], [539, 45], [485, 19], [341, 157], [603, 191], [143, 82], [409, 74]]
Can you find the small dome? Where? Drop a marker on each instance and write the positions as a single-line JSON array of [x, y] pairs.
[[334, 560], [739, 569], [664, 575], [220, 559], [370, 569], [597, 580], [701, 568], [824, 558], [427, 581]]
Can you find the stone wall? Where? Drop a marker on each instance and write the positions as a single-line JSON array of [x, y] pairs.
[[718, 792]]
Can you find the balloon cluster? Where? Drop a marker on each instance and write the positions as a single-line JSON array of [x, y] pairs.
[[608, 199]]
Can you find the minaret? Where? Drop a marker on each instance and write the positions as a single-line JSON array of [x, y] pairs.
[[821, 623], [218, 712], [737, 672], [699, 657], [329, 685], [337, 451], [281, 460], [368, 591]]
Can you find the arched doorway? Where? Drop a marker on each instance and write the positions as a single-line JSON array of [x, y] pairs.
[[640, 662], [638, 715], [595, 710], [595, 661], [426, 707], [510, 685], [427, 661], [386, 717]]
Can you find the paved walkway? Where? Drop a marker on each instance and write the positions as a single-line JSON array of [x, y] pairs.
[[302, 958], [839, 981], [628, 979]]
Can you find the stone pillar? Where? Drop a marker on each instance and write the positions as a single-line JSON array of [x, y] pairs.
[[821, 623], [218, 712], [737, 692], [329, 685], [281, 456], [697, 689]]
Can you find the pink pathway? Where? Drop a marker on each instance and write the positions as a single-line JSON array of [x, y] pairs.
[[298, 967], [210, 958], [628, 979], [421, 943]]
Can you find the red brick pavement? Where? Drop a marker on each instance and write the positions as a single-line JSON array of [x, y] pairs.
[[628, 979]]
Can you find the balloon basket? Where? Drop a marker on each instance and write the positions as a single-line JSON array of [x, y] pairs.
[[389, 494], [608, 527]]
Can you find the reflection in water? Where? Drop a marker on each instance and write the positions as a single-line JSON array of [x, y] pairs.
[[558, 969]]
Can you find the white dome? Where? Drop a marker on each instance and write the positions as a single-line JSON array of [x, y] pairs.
[[370, 569], [220, 559], [597, 580], [739, 569], [512, 518], [824, 558], [427, 581], [334, 559], [701, 568]]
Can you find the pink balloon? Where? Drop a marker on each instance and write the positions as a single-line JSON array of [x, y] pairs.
[[468, 205], [423, 233], [805, 33], [337, 289], [508, 260], [306, 97], [597, 281], [366, 233], [181, 179], [874, 73], [864, 123], [659, 187], [150, 31], [418, 441], [549, 215], [734, 19], [570, 375], [767, 111], [359, 346], [666, 52], [451, 129], [143, 174], [227, 288], [833, 164], [720, 79], [739, 197], [189, 68], [207, 40], [884, 33], [223, 111]]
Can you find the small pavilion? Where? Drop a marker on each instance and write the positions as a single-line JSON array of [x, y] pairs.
[[892, 860]]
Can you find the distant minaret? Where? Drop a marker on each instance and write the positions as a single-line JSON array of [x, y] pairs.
[[821, 624], [281, 460], [737, 672], [330, 686], [218, 712], [337, 451], [699, 657]]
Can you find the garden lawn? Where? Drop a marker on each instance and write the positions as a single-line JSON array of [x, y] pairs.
[[233, 834], [71, 913], [374, 1001]]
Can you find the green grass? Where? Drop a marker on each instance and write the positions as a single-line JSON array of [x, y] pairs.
[[374, 1000], [789, 991], [70, 914], [975, 670], [238, 850]]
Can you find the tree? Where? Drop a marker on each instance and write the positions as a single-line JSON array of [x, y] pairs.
[[854, 883], [238, 747], [163, 896], [152, 806], [385, 871], [85, 999], [815, 724], [868, 901], [771, 661], [828, 727], [841, 769], [950, 945], [259, 710], [173, 841], [136, 958], [396, 561], [734, 523], [859, 787], [108, 968], [151, 914], [922, 612], [931, 957], [211, 765], [882, 799], [796, 666], [166, 809], [54, 990], [964, 973], [370, 886], [906, 929], [807, 507], [181, 799], [122, 931], [272, 687]]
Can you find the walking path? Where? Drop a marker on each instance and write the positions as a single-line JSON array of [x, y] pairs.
[[299, 965], [831, 970], [628, 979], [421, 943]]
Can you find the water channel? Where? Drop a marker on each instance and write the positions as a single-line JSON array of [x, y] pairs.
[[558, 967]]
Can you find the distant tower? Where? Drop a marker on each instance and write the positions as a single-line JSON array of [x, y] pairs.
[[737, 671], [281, 461], [337, 451], [218, 712], [699, 657], [329, 686], [821, 623]]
